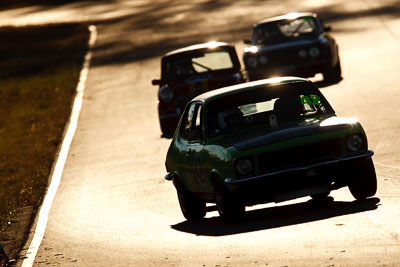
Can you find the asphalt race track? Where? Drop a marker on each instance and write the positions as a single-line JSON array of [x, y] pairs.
[[113, 207]]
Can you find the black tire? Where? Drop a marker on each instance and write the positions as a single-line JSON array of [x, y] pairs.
[[321, 196], [338, 70], [192, 208], [321, 200], [228, 207], [333, 73], [364, 183], [166, 128]]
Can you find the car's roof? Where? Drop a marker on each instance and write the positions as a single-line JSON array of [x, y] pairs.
[[287, 16], [208, 45], [234, 89]]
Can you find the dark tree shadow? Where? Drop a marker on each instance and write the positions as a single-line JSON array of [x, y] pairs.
[[153, 30], [168, 37], [275, 217], [44, 4]]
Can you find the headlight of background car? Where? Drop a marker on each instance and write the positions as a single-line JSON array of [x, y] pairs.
[[314, 51], [263, 60], [303, 53], [166, 93], [238, 77], [244, 166], [252, 62], [355, 143], [322, 39]]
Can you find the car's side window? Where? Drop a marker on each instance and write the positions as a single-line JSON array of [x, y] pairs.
[[198, 126], [191, 129], [188, 118], [198, 117]]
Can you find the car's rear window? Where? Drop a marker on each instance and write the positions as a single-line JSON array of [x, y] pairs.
[[197, 62], [217, 60]]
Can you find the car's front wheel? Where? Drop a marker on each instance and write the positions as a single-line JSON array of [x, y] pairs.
[[191, 207], [228, 207], [333, 73], [364, 183], [320, 196], [166, 127]]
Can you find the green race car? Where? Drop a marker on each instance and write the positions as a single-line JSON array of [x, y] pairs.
[[265, 141]]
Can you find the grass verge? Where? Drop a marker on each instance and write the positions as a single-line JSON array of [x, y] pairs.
[[39, 72]]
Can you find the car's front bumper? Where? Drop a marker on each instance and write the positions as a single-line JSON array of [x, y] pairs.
[[303, 168], [299, 181], [306, 69]]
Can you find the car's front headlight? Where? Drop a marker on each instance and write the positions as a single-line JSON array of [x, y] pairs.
[[252, 49], [303, 53], [322, 39], [263, 60], [166, 93], [238, 77], [314, 51], [244, 166], [355, 142], [252, 62]]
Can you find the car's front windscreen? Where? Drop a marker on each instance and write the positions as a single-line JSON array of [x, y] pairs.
[[283, 30], [198, 62], [272, 107]]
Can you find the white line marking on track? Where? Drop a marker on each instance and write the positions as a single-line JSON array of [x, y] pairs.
[[62, 157]]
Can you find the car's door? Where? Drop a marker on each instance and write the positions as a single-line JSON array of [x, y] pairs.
[[192, 138]]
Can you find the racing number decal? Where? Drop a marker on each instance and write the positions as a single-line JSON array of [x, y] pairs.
[[197, 167], [310, 100], [199, 174]]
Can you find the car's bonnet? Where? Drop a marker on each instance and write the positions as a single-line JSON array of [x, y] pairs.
[[297, 130]]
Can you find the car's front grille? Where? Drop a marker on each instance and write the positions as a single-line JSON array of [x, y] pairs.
[[290, 57], [299, 155], [287, 57]]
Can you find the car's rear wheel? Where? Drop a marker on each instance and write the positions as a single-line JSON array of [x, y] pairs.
[[364, 183], [333, 73], [228, 207], [338, 70], [166, 127], [191, 207]]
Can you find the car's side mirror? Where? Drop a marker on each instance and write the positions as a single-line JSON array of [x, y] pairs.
[[327, 28], [247, 41], [156, 82]]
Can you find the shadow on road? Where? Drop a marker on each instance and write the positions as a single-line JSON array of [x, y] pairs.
[[323, 83], [161, 30], [153, 30], [42, 4], [275, 217], [167, 136]]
